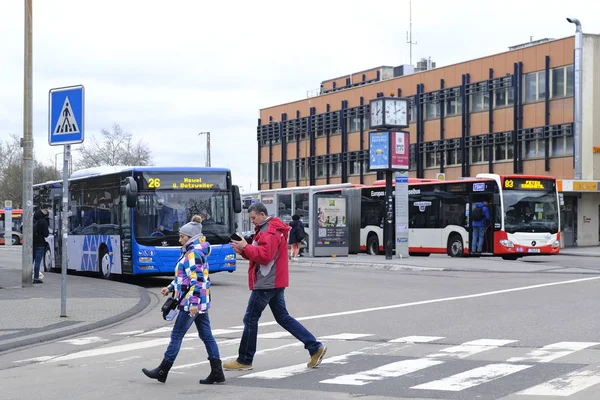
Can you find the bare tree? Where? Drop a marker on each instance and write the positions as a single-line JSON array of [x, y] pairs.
[[115, 147]]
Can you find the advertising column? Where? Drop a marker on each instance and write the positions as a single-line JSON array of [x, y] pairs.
[[7, 223], [331, 227], [402, 214]]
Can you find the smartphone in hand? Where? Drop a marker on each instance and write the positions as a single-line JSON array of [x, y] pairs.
[[235, 237]]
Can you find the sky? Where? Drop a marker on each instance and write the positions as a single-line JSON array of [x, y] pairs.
[[167, 70]]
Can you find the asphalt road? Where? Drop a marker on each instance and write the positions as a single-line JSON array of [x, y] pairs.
[[494, 330]]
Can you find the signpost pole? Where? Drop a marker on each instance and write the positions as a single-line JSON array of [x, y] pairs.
[[64, 230], [389, 218], [27, 143]]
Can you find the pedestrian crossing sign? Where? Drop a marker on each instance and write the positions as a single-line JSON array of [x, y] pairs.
[[66, 115]]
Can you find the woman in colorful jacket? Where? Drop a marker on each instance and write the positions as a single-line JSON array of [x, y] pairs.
[[192, 285]]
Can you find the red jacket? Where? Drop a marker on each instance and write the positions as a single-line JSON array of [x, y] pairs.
[[268, 256]]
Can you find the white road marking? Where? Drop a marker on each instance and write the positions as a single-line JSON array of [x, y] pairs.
[[111, 350], [471, 378], [392, 370], [553, 351], [345, 336], [286, 372], [470, 348], [566, 385], [130, 333], [83, 341], [157, 331], [433, 301], [416, 339], [274, 335], [36, 359], [128, 358]]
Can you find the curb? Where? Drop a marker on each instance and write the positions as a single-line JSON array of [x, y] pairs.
[[570, 254], [383, 267], [139, 307]]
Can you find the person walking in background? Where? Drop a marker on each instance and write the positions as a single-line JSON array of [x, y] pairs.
[[40, 232], [297, 235], [481, 218], [192, 286], [268, 276]]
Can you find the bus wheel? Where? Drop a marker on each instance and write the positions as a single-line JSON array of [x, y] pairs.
[[510, 258], [455, 246], [15, 240], [103, 263], [373, 245], [48, 261]]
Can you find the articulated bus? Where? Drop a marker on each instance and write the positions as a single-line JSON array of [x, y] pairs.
[[125, 220], [524, 213]]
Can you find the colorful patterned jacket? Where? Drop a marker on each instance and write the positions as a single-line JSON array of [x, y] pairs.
[[191, 275]]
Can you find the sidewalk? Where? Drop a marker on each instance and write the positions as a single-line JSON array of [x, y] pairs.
[[32, 315], [590, 251]]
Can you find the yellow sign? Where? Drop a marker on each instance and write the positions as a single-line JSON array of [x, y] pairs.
[[532, 185], [192, 183], [596, 150], [509, 183], [585, 186]]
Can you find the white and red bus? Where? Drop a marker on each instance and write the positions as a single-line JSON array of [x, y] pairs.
[[17, 220], [524, 213]]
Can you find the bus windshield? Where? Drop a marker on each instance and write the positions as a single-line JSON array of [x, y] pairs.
[[160, 214], [530, 211]]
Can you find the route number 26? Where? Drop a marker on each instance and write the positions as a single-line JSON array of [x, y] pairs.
[[153, 183]]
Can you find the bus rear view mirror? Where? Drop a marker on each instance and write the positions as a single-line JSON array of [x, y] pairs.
[[237, 199], [129, 189]]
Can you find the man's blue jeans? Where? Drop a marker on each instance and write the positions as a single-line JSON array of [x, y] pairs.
[[38, 255], [478, 235], [182, 325], [259, 299]]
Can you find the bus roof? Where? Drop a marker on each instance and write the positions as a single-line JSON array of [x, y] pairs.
[[109, 170]]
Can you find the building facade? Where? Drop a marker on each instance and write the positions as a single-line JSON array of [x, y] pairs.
[[506, 113]]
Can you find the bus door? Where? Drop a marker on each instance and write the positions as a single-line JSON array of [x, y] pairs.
[[488, 241], [56, 228]]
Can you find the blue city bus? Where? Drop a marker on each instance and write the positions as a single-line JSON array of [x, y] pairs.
[[125, 220]]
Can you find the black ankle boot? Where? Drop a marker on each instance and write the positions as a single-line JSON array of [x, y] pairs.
[[216, 373], [160, 373]]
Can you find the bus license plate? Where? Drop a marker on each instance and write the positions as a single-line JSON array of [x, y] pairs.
[[533, 250]]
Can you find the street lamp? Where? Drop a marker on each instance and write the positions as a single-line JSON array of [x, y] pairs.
[[207, 147], [577, 137]]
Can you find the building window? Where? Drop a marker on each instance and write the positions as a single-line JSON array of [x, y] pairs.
[[277, 171], [432, 109], [334, 169], [290, 170], [353, 123], [562, 81], [264, 173], [432, 159], [454, 104], [479, 154], [412, 110], [302, 163], [533, 146], [535, 86], [503, 152], [504, 97], [412, 157], [561, 145], [320, 168], [354, 167]]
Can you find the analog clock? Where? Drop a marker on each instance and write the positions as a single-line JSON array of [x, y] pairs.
[[377, 112], [396, 112]]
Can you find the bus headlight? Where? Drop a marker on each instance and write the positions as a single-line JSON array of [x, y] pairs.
[[230, 257], [555, 244], [145, 259], [507, 243]]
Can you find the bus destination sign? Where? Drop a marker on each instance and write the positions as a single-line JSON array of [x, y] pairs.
[[527, 184], [182, 181]]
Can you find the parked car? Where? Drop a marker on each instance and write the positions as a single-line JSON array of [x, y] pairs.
[[16, 237]]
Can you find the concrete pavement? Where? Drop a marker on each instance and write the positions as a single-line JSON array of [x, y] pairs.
[[32, 315]]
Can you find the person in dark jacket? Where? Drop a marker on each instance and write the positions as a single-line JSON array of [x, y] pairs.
[[479, 225], [296, 236], [40, 233], [268, 276]]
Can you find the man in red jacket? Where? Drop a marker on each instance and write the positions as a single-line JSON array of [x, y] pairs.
[[268, 276]]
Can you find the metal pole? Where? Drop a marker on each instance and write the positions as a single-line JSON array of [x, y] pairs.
[[64, 229], [208, 149], [578, 100], [27, 250]]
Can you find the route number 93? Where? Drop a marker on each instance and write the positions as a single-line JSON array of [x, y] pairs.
[[153, 183]]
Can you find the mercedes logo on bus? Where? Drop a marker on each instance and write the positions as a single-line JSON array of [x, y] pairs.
[[533, 243]]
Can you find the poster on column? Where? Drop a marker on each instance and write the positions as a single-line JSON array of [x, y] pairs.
[[401, 216], [379, 151], [331, 230], [400, 150]]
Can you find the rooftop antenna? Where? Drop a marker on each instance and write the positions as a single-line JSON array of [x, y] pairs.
[[409, 33]]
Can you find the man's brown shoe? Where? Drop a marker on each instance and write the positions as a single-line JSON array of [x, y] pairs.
[[316, 358], [236, 366]]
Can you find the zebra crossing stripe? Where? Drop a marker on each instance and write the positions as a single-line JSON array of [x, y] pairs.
[[566, 385], [286, 372], [470, 348], [552, 352], [473, 377], [416, 339], [392, 370]]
